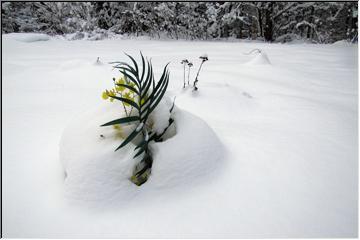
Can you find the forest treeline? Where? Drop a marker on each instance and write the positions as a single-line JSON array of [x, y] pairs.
[[321, 22]]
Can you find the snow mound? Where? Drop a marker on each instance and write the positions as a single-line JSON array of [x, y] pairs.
[[342, 43], [95, 172], [161, 114], [75, 36], [72, 64], [194, 152], [260, 58], [98, 62], [27, 37], [92, 36]]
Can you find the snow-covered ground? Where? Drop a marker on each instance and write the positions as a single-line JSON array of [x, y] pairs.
[[287, 119]]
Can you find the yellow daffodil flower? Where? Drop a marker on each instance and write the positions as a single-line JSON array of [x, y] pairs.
[[104, 95], [119, 88]]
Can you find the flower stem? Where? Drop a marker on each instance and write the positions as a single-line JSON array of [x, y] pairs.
[[184, 75], [196, 79], [189, 76], [124, 106]]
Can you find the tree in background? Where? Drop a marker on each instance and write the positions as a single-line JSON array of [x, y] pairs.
[[322, 22]]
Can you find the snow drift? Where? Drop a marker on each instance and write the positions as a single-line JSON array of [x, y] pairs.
[[95, 172], [260, 58], [28, 37], [291, 169]]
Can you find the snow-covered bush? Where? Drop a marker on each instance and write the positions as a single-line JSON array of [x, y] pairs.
[[140, 96]]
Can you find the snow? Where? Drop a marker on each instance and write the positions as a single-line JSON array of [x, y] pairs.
[[204, 55], [193, 155], [92, 36], [260, 58], [139, 127], [160, 116], [95, 173], [289, 132], [342, 43], [27, 37]]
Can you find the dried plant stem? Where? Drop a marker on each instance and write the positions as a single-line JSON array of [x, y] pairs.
[[122, 102], [197, 75], [131, 110], [189, 76], [124, 107], [184, 75]]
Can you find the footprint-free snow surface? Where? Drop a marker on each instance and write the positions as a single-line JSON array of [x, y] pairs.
[[287, 130]]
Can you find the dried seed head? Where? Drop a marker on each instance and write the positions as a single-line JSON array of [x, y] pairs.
[[204, 57]]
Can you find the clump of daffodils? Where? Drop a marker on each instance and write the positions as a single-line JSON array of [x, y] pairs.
[[120, 91], [138, 90]]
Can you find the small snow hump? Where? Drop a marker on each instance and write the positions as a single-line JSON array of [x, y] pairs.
[[260, 58], [98, 62]]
